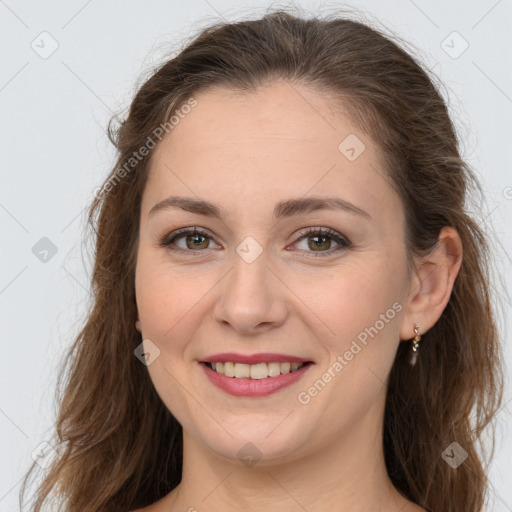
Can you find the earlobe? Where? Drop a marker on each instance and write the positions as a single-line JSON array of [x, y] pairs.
[[433, 283], [138, 325]]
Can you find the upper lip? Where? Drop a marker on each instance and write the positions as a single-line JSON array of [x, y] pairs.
[[266, 357]]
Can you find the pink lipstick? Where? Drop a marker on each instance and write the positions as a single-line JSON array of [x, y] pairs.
[[254, 375]]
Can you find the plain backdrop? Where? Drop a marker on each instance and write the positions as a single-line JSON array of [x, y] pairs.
[[67, 67]]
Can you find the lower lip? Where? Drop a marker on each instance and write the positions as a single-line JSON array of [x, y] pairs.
[[253, 387]]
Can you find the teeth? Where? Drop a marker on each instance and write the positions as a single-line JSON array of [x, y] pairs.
[[254, 371], [229, 369], [274, 369], [258, 371], [242, 371]]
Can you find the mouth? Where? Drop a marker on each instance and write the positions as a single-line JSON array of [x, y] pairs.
[[254, 371], [254, 380]]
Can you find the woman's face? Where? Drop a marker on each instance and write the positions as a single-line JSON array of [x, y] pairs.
[[255, 287]]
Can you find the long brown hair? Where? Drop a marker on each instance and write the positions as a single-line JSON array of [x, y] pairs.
[[118, 447]]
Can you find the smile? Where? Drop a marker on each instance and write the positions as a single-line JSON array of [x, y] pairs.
[[254, 371], [254, 380]]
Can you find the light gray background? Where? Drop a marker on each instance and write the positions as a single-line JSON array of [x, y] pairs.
[[54, 153]]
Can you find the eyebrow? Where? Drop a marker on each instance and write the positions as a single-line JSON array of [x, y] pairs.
[[283, 209]]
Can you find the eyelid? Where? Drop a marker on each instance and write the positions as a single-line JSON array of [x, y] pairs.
[[304, 232], [342, 241], [168, 239]]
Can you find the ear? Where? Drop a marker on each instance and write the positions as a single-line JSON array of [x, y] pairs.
[[138, 325], [432, 284]]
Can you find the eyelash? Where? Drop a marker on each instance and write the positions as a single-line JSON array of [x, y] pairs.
[[343, 242]]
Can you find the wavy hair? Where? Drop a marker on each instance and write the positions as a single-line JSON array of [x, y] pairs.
[[111, 423]]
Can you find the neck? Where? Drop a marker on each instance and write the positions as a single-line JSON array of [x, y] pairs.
[[347, 475]]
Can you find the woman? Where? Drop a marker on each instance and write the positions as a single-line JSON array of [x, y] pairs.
[[291, 303]]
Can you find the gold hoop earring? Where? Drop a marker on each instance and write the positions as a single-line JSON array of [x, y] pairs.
[[415, 344]]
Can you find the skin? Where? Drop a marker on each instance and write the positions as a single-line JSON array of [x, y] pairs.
[[245, 152]]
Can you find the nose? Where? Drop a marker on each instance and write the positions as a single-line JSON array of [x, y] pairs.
[[252, 299]]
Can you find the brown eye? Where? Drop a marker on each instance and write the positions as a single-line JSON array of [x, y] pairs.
[[194, 240], [320, 241]]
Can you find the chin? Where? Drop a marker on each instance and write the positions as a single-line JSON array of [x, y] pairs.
[[263, 440]]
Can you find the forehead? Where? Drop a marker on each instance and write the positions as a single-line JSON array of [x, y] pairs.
[[282, 140]]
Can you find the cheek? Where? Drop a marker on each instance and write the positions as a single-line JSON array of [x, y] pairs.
[[361, 307], [362, 311], [166, 301], [162, 294], [174, 302], [171, 301]]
